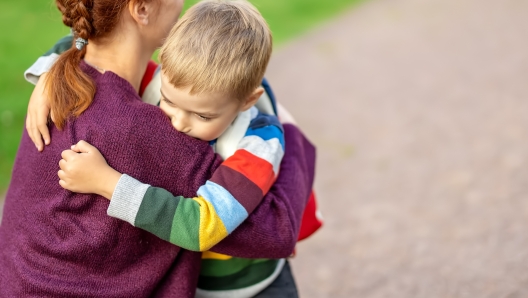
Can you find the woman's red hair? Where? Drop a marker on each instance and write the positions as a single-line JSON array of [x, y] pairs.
[[69, 89]]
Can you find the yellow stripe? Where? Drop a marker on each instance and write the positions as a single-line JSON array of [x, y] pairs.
[[212, 230], [214, 255]]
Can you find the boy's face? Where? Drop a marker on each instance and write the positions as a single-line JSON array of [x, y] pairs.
[[203, 116]]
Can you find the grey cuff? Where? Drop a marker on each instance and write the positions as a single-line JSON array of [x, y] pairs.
[[42, 65], [127, 198]]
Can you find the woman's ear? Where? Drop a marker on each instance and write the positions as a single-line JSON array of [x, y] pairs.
[[252, 99], [141, 11]]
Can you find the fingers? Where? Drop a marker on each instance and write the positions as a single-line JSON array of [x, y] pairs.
[[80, 147], [75, 148], [83, 147], [68, 155], [52, 116], [43, 128], [62, 175], [37, 116], [33, 132], [62, 164], [62, 179]]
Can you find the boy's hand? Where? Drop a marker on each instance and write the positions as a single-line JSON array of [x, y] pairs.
[[37, 115], [84, 170]]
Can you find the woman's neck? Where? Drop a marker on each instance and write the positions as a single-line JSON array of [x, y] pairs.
[[124, 57]]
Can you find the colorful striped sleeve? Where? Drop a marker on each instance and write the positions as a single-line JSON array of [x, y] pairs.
[[221, 204]]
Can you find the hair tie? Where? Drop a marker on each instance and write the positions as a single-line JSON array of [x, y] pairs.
[[80, 43]]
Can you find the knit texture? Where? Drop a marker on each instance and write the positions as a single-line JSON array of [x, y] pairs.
[[56, 243]]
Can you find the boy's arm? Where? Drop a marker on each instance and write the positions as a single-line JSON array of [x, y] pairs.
[[38, 107], [271, 231], [223, 202]]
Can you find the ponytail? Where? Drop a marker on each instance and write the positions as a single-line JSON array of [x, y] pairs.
[[69, 89]]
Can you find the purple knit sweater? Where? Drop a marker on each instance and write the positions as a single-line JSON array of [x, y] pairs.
[[54, 243]]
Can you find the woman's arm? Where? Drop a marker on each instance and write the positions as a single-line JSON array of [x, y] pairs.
[[38, 114]]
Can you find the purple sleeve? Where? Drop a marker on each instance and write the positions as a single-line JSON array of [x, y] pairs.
[[271, 230]]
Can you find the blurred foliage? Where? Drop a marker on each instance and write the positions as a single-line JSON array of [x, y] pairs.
[[30, 28]]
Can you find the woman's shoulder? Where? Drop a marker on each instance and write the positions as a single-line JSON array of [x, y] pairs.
[[118, 95], [121, 111]]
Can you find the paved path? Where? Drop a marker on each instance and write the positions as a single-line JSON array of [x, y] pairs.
[[420, 113]]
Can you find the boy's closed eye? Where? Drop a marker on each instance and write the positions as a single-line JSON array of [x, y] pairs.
[[203, 118]]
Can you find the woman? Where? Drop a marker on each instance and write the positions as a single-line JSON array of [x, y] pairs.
[[56, 243]]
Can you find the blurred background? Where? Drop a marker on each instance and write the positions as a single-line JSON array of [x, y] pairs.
[[418, 109]]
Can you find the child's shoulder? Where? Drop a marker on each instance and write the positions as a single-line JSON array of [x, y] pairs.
[[260, 119]]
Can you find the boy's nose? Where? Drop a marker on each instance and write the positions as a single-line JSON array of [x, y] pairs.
[[180, 123]]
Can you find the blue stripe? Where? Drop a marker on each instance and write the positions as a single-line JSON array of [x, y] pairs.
[[158, 69], [271, 96], [267, 133], [230, 211], [262, 120]]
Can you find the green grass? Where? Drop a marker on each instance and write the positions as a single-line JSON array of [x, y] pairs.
[[30, 28]]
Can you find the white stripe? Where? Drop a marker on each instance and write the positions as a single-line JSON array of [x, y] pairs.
[[227, 143], [42, 65], [127, 198], [264, 104], [254, 112], [152, 93], [270, 150]]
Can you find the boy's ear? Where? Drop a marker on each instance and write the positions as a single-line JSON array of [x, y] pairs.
[[140, 11], [252, 99]]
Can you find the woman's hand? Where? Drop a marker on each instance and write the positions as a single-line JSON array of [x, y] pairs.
[[84, 170], [37, 115]]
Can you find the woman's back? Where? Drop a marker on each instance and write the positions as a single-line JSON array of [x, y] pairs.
[[58, 243]]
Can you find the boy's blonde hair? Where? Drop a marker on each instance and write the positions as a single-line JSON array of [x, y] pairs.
[[220, 46]]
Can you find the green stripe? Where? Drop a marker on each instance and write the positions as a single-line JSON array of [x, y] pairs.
[[186, 225], [218, 268], [155, 214], [252, 274]]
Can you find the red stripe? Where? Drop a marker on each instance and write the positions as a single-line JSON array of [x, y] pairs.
[[256, 169], [147, 77]]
